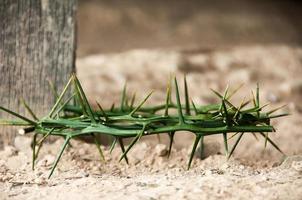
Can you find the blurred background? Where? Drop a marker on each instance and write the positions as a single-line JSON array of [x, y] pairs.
[[115, 26], [215, 43]]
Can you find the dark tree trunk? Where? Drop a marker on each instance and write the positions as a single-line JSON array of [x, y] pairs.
[[37, 43]]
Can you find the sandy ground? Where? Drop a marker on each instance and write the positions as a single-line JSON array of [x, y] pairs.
[[253, 173], [149, 176]]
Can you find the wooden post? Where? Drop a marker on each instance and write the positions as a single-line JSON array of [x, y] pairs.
[[37, 43]]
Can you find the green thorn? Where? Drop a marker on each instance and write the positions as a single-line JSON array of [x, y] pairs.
[[102, 111], [280, 115], [158, 138], [233, 136], [265, 142], [238, 109], [226, 101], [235, 145], [258, 100], [187, 96], [17, 115], [179, 108], [86, 103], [234, 91], [194, 107], [64, 104], [225, 141], [255, 136], [61, 96], [113, 144], [132, 100], [193, 150], [123, 97], [45, 136], [168, 98], [228, 121], [137, 137], [120, 140], [53, 89], [112, 107], [171, 136], [98, 147], [4, 122], [141, 104], [34, 151], [272, 143], [29, 109], [201, 147], [276, 109], [59, 156]]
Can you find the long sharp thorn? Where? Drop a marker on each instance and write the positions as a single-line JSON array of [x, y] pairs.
[[194, 107], [112, 107], [40, 142], [113, 144], [226, 113], [257, 95], [187, 102], [171, 136], [4, 122], [272, 143], [158, 138], [45, 136], [128, 149], [255, 136], [59, 156], [53, 89], [34, 151], [123, 97], [29, 109], [132, 100], [276, 109], [224, 96], [221, 97], [233, 136], [266, 137], [123, 149], [63, 105], [280, 115], [102, 111], [17, 115], [234, 91], [80, 100], [235, 145], [258, 100], [141, 104], [225, 141], [61, 96], [239, 108], [87, 105], [193, 150], [254, 99], [137, 137], [168, 98], [179, 108], [98, 147], [201, 146]]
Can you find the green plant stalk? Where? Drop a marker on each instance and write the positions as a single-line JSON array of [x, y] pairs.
[[130, 121]]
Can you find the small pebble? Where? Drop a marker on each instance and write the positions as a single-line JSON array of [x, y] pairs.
[[46, 161], [161, 150], [297, 165]]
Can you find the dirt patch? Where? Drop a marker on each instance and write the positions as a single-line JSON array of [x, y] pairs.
[[149, 176]]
